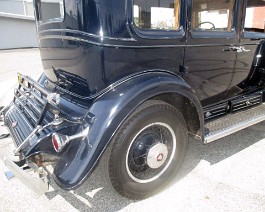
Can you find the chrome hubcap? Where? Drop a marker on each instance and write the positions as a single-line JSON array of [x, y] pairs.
[[157, 155], [150, 152]]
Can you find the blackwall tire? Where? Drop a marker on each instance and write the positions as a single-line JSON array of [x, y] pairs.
[[148, 150]]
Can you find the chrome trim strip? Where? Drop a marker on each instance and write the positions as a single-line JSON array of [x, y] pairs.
[[101, 44], [84, 34], [115, 84]]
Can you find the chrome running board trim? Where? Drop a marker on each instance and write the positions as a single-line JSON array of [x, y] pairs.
[[232, 123]]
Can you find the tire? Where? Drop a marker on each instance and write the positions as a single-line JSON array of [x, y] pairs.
[[148, 150]]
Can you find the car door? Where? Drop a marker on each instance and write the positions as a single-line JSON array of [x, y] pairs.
[[209, 54], [253, 34]]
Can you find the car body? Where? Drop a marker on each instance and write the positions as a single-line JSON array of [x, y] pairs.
[[107, 61]]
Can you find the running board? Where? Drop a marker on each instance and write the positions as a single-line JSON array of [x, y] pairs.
[[232, 123]]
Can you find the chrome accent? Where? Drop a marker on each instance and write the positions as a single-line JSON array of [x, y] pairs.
[[3, 109], [76, 32], [240, 49], [207, 114], [245, 50], [62, 140], [232, 123], [16, 151], [38, 185], [39, 128], [157, 155], [14, 124], [169, 161], [57, 121], [237, 49], [55, 97]]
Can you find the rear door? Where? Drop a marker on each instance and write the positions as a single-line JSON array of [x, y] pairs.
[[209, 56], [253, 34]]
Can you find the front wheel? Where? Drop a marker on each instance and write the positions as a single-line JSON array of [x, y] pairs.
[[148, 150]]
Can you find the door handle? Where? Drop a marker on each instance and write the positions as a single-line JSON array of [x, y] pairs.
[[236, 49], [245, 50], [233, 49]]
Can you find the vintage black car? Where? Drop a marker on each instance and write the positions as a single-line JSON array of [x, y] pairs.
[[133, 79]]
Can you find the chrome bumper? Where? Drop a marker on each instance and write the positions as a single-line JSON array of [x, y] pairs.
[[38, 185]]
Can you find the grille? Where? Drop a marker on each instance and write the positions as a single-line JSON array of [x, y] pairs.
[[246, 102], [29, 108], [215, 111]]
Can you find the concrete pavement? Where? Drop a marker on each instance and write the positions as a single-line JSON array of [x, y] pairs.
[[226, 175]]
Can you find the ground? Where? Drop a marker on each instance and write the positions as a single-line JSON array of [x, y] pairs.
[[226, 175]]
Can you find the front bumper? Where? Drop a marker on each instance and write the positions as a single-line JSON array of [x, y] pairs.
[[40, 184]]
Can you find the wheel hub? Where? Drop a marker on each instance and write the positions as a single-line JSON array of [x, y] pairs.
[[157, 155], [150, 152]]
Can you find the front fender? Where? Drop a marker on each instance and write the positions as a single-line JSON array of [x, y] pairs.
[[110, 110]]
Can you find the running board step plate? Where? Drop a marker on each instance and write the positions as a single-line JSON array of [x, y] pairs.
[[232, 123]]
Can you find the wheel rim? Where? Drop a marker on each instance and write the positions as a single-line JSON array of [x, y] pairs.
[[150, 152]]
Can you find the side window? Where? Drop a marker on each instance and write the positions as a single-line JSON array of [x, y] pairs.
[[156, 14], [255, 16], [50, 10], [214, 15]]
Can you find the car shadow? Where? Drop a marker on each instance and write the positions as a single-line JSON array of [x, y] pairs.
[[221, 149], [97, 194]]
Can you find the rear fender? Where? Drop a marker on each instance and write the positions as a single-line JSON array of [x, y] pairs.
[[110, 110]]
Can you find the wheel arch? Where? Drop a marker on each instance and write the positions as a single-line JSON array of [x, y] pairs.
[[188, 110], [111, 110]]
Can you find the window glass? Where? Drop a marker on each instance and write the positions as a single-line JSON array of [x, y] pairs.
[[51, 10], [212, 15], [255, 16], [156, 14]]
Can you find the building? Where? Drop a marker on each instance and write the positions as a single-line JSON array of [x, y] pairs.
[[17, 24]]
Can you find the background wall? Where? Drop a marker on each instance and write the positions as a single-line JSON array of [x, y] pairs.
[[17, 24], [17, 31]]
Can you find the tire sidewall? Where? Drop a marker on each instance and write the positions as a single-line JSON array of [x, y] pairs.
[[163, 113]]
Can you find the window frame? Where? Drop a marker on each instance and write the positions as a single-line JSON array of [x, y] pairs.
[[248, 34], [54, 20], [161, 33], [216, 34]]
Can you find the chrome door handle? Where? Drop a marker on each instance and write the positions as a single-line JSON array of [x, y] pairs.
[[236, 49], [245, 50], [233, 49]]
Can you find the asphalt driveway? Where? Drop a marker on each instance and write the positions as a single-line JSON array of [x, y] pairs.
[[226, 175]]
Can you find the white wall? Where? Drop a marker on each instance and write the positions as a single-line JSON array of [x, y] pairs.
[[12, 7], [17, 31]]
